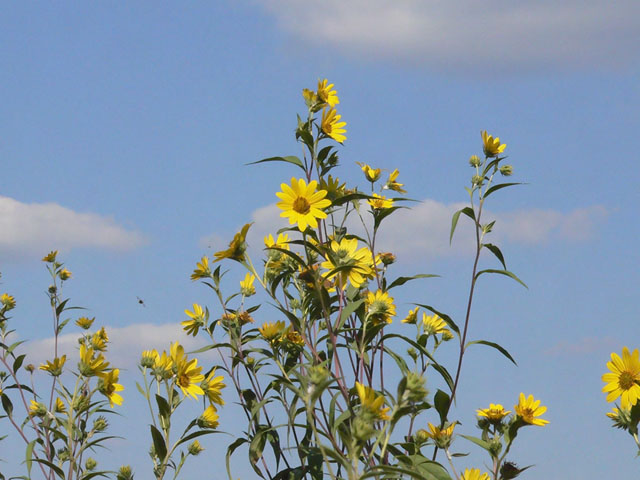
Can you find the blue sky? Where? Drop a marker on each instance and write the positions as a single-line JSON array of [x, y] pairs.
[[126, 130]]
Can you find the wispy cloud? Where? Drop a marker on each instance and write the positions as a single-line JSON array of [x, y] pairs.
[[582, 346], [490, 36], [27, 228]]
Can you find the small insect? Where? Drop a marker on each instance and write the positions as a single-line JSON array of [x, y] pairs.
[[141, 302]]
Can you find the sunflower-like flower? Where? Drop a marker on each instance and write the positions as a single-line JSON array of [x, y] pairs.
[[85, 322], [198, 317], [237, 247], [334, 188], [109, 386], [492, 146], [188, 374], [148, 357], [355, 264], [162, 365], [54, 368], [380, 306], [379, 202], [332, 126], [412, 316], [495, 413], [474, 474], [310, 97], [202, 269], [38, 409], [302, 204], [372, 402], [271, 331], [282, 241], [91, 364], [440, 436], [623, 380], [212, 387], [60, 407], [392, 184], [209, 418], [7, 301], [291, 339], [64, 274], [99, 340], [370, 173], [325, 94], [50, 257], [433, 325], [246, 286], [528, 409]]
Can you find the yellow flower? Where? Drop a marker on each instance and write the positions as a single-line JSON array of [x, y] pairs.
[[302, 204], [332, 126], [188, 374], [202, 269], [380, 306], [310, 97], [371, 174], [162, 365], [333, 187], [99, 340], [392, 184], [474, 474], [237, 246], [212, 387], [85, 322], [494, 413], [271, 330], [209, 418], [355, 264], [434, 325], [109, 386], [378, 202], [326, 95], [60, 407], [492, 146], [614, 414], [412, 316], [282, 241], [50, 257], [90, 366], [7, 301], [528, 409], [623, 380], [198, 319], [292, 337], [148, 357], [246, 286], [441, 436], [64, 274], [37, 408], [55, 367], [373, 402]]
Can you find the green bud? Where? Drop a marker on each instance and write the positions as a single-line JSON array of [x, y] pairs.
[[412, 353], [477, 180], [510, 470], [195, 448], [506, 170], [318, 375], [63, 454], [100, 424], [124, 473], [475, 161], [362, 429], [494, 448], [90, 464], [416, 387]]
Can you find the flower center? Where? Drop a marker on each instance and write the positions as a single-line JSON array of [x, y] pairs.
[[626, 380], [301, 205]]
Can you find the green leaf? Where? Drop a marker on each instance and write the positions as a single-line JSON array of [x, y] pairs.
[[60, 308], [444, 316], [58, 471], [29, 456], [478, 441], [468, 211], [17, 363], [348, 310], [6, 404], [164, 411], [13, 346], [232, 448], [498, 187], [502, 272], [441, 401], [496, 251], [289, 159], [402, 280], [158, 443], [502, 350]]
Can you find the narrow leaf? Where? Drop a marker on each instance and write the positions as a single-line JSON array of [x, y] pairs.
[[498, 187], [468, 211], [158, 443], [496, 251], [506, 273], [501, 349], [402, 280], [289, 159]]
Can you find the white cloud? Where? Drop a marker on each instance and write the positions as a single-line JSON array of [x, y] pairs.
[[490, 36], [125, 343], [423, 230], [27, 228], [582, 346]]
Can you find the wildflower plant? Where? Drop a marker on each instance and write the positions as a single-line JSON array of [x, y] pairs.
[[325, 389]]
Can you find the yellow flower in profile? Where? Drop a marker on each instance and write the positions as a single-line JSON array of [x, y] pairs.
[[623, 380], [60, 407], [438, 433], [209, 418], [380, 306], [237, 246], [614, 414], [50, 257], [162, 365], [310, 97], [202, 269], [246, 286], [64, 274], [212, 387], [282, 242], [434, 325], [494, 413], [7, 301], [370, 173], [325, 94], [412, 316], [378, 202], [198, 317], [188, 374], [528, 409], [302, 204], [85, 322], [99, 340], [37, 408], [148, 357], [271, 330], [332, 126], [355, 264], [373, 402], [474, 474], [292, 337], [109, 386], [91, 365], [492, 146], [55, 367], [392, 184]]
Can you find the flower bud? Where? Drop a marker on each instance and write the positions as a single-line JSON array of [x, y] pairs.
[[90, 464], [510, 470], [124, 473], [477, 180], [63, 455], [475, 161], [30, 367], [506, 170], [362, 429], [416, 387], [100, 424], [64, 274], [195, 448], [387, 258]]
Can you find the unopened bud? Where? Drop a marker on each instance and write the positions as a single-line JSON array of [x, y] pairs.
[[475, 161], [506, 170]]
